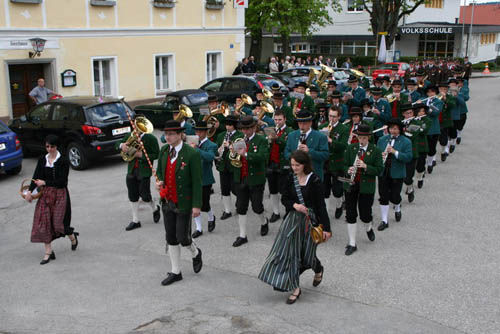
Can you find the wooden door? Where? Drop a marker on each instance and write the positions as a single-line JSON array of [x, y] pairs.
[[23, 78]]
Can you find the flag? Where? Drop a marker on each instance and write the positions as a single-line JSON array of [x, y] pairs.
[[382, 51]]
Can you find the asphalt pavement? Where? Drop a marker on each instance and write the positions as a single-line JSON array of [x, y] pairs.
[[436, 271]]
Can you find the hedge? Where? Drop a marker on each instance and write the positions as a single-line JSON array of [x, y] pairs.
[[481, 66]]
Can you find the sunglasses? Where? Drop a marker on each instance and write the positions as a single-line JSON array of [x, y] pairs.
[[50, 146]]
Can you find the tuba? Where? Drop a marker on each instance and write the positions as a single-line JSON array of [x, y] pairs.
[[141, 125], [265, 107], [184, 112], [323, 75], [212, 120], [313, 74], [246, 100]]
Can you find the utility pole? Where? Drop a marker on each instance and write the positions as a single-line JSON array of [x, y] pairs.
[[470, 28], [462, 53]]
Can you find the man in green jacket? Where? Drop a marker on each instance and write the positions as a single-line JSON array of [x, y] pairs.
[[138, 177], [337, 134], [446, 120], [278, 167], [180, 186], [363, 163], [250, 178]]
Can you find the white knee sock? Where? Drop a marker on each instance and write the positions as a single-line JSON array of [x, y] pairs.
[[152, 204], [351, 231], [135, 211], [369, 226], [338, 203], [175, 258], [263, 219], [242, 222], [226, 201], [410, 188], [384, 212], [443, 149], [211, 217], [429, 160], [453, 142], [420, 176], [327, 202], [397, 207], [433, 158], [193, 249], [275, 201], [197, 221], [459, 134]]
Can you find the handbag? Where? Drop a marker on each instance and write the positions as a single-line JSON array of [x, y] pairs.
[[316, 229]]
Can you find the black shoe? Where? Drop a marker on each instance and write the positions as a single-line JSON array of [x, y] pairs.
[[317, 281], [293, 298], [240, 241], [156, 214], [197, 262], [274, 218], [459, 140], [225, 215], [420, 184], [397, 215], [429, 169], [52, 256], [383, 225], [371, 235], [452, 148], [411, 196], [434, 163], [264, 229], [211, 225], [132, 226], [350, 249], [196, 234], [444, 156], [338, 213], [171, 278], [73, 246]]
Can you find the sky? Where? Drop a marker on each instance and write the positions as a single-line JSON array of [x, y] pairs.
[[477, 1]]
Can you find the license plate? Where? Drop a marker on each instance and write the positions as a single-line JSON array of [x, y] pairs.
[[120, 131], [2, 146]]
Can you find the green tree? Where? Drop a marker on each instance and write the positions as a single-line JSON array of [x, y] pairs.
[[286, 17], [385, 15]]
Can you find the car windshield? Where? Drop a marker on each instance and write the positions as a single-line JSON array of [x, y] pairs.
[[171, 102], [340, 75], [4, 128], [269, 82], [197, 98], [109, 112]]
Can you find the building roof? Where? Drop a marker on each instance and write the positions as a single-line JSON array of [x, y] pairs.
[[484, 13]]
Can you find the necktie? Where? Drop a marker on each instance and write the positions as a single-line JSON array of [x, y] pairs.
[[171, 154]]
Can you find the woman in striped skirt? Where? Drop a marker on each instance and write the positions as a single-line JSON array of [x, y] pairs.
[[293, 250]]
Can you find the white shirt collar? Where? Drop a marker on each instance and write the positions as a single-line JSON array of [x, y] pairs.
[[178, 147], [282, 128], [182, 123], [335, 125], [363, 147], [251, 137], [232, 132], [204, 140], [47, 164], [308, 132]]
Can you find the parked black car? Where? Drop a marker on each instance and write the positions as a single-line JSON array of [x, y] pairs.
[[228, 88], [160, 112], [87, 126]]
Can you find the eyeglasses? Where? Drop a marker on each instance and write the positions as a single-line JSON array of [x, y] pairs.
[[50, 146]]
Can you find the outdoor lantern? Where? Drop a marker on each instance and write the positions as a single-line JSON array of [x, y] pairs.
[[38, 45]]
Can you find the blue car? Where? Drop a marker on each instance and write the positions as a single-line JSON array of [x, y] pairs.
[[11, 154]]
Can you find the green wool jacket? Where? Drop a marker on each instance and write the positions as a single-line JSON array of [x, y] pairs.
[[339, 135], [281, 141], [423, 146], [187, 176], [257, 159], [152, 148], [223, 163], [373, 160], [450, 102], [415, 136]]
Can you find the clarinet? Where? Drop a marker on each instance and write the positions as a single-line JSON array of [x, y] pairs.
[[302, 138]]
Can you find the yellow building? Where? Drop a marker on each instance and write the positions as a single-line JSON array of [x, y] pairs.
[[139, 49]]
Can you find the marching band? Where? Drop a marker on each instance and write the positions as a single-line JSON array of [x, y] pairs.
[[355, 140]]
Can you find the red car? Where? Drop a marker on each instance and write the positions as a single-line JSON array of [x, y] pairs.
[[387, 68]]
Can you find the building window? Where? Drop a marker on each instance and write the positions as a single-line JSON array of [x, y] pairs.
[[434, 4], [488, 38], [436, 45], [354, 6], [300, 47], [214, 65], [104, 77], [164, 70], [278, 48]]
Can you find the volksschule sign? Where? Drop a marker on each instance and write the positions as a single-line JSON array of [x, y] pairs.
[[426, 30]]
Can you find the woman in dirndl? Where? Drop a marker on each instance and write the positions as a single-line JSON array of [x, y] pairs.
[[293, 250], [53, 210]]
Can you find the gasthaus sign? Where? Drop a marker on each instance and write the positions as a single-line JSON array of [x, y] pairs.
[[427, 30]]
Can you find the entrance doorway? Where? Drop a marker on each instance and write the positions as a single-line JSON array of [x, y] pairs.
[[23, 78]]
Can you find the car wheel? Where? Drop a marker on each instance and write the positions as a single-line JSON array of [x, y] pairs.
[[15, 171], [76, 155]]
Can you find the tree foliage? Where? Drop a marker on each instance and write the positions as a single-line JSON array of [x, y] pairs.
[[287, 17], [385, 15]]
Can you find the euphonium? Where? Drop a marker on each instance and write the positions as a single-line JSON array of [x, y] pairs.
[[184, 112], [268, 95], [235, 158], [245, 100], [212, 120], [265, 107], [141, 125], [325, 72]]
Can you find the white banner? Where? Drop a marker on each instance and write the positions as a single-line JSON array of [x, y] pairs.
[[382, 51]]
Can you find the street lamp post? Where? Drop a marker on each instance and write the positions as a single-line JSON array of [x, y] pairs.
[[38, 45]]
